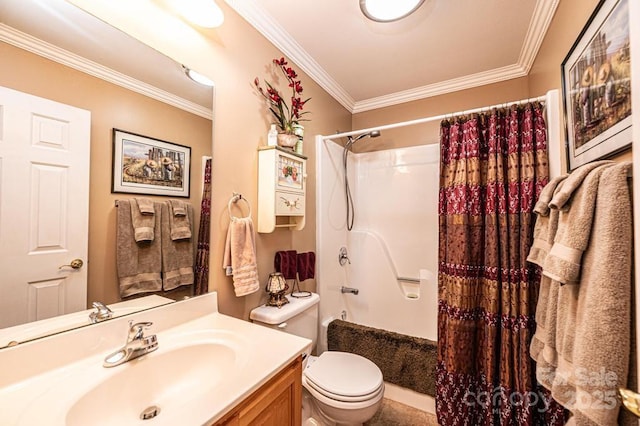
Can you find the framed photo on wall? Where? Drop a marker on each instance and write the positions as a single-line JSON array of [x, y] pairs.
[[596, 86], [145, 165]]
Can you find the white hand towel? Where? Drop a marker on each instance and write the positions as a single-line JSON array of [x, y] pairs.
[[240, 258]]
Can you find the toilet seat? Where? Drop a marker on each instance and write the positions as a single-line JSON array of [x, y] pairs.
[[344, 377]]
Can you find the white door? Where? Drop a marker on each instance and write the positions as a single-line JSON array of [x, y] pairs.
[[44, 204]]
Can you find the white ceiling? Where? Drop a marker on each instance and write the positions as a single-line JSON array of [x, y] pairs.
[[66, 34], [447, 45]]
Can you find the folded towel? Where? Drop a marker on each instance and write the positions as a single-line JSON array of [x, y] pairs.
[[286, 263], [145, 205], [574, 228], [143, 223], [306, 265], [561, 197], [179, 222], [138, 264], [240, 258], [177, 255], [546, 226]]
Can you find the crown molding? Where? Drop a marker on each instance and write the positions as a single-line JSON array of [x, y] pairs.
[[262, 21], [538, 26], [467, 82], [268, 27], [39, 47]]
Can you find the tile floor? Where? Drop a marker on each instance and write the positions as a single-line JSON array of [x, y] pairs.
[[393, 413]]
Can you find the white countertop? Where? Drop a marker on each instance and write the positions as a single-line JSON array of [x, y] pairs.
[[45, 379]]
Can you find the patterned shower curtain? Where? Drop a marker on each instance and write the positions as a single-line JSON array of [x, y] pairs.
[[202, 253], [493, 167]]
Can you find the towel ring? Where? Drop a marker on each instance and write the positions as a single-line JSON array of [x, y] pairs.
[[234, 199]]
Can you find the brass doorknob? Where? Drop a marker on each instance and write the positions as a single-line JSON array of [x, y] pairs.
[[630, 400], [75, 264]]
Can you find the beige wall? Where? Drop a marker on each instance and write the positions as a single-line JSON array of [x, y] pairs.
[[428, 133], [232, 56], [111, 107], [545, 74]]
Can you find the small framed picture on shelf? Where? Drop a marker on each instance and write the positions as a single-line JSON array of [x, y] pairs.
[[596, 86], [145, 165]]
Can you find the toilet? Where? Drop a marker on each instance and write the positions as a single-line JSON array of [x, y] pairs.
[[338, 388]]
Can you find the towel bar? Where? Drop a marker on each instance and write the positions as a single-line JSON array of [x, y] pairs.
[[409, 280]]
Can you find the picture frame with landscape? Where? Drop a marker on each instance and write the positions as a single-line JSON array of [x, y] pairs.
[[596, 87], [149, 166]]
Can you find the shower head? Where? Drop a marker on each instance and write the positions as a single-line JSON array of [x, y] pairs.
[[352, 140]]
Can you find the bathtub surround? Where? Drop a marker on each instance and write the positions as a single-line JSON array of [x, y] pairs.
[[584, 310], [493, 168], [406, 361]]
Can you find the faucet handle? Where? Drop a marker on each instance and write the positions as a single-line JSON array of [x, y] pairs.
[[136, 331]]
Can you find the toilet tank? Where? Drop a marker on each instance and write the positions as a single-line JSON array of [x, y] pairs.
[[299, 317]]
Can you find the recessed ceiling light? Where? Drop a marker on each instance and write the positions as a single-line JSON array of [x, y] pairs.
[[388, 11], [204, 13], [197, 77]]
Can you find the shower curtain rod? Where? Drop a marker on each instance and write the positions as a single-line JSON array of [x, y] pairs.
[[433, 118]]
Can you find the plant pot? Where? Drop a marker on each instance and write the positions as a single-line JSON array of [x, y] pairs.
[[286, 140]]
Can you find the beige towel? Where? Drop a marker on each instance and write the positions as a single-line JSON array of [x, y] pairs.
[[546, 224], [138, 264], [177, 254], [561, 197], [143, 222], [240, 258], [564, 259], [179, 221], [543, 345], [145, 205], [602, 336], [587, 358]]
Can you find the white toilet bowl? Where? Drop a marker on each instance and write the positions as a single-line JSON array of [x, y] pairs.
[[343, 388]]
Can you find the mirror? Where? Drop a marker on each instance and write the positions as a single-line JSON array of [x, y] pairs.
[[57, 51]]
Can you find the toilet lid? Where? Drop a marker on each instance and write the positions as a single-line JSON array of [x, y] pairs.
[[344, 374]]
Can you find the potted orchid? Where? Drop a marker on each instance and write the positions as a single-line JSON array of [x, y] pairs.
[[287, 116]]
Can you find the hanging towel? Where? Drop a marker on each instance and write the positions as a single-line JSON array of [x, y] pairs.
[[143, 219], [306, 265], [240, 258], [542, 233], [138, 264], [286, 263], [179, 221], [177, 255], [562, 196], [145, 205]]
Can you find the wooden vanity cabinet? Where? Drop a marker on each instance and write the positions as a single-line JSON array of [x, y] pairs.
[[276, 403]]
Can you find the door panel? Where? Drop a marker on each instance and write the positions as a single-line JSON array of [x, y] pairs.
[[44, 203]]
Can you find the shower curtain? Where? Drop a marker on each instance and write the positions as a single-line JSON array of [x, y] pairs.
[[493, 167]]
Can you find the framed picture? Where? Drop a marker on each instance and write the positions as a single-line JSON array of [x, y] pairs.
[[144, 165], [596, 86]]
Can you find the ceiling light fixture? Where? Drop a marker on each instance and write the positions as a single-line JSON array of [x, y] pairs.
[[197, 77], [204, 13], [388, 11]]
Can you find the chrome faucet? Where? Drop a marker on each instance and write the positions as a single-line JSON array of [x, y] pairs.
[[351, 290], [101, 313], [137, 345]]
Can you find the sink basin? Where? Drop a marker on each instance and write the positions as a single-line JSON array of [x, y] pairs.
[[205, 365], [156, 380]]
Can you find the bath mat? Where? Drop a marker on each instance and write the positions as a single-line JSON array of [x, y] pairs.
[[404, 360]]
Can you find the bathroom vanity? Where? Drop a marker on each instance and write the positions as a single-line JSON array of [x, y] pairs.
[[209, 369]]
